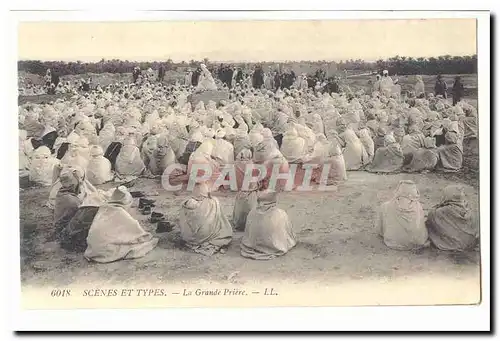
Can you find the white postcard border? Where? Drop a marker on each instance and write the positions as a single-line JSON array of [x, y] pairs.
[[359, 318]]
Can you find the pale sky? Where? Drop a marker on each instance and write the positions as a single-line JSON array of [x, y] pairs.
[[246, 40]]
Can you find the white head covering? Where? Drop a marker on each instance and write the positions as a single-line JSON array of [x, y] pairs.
[[206, 148], [266, 133], [292, 132], [121, 196], [96, 151], [197, 136], [255, 138], [220, 133]]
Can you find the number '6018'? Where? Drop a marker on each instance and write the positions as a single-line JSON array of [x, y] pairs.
[[60, 293]]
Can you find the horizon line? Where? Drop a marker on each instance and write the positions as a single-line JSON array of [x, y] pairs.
[[235, 61]]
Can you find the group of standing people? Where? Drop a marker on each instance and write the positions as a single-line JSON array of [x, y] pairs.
[[457, 91], [139, 76], [236, 77], [385, 84]]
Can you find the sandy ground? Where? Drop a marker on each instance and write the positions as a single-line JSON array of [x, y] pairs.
[[337, 241]]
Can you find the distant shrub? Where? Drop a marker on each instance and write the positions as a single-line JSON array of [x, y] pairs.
[[396, 65]]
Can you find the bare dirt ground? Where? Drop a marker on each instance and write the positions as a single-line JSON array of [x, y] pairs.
[[337, 241]]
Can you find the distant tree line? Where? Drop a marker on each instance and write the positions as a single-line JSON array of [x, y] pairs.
[[75, 68], [415, 66], [395, 65]]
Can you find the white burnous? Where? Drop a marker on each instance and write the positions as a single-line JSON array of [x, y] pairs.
[[206, 81]]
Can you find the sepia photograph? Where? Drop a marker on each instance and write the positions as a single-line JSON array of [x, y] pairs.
[[250, 163]]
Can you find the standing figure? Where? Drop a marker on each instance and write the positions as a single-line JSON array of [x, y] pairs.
[[206, 81], [258, 78], [188, 78], [386, 84], [135, 74], [239, 76], [48, 78], [458, 90], [195, 77], [161, 73], [419, 87], [440, 88], [268, 80], [376, 84], [277, 81]]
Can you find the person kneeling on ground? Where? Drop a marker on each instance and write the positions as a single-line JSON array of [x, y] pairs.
[[424, 159], [67, 199], [73, 237], [129, 163], [400, 220], [268, 230], [115, 234], [451, 153], [204, 227], [451, 224], [246, 198], [387, 159], [42, 166], [355, 155], [99, 168]]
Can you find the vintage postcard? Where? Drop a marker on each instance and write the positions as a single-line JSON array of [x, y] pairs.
[[184, 161]]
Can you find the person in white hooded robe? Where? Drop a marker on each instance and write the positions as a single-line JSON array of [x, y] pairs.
[[87, 192], [306, 133], [23, 156], [162, 156], [203, 225], [268, 231], [99, 168], [334, 160], [179, 137], [86, 129], [129, 161], [223, 151], [267, 135], [267, 153], [148, 147], [240, 125], [293, 147], [354, 152], [115, 234], [386, 84], [42, 166], [365, 138], [317, 125], [419, 87], [78, 153], [246, 198], [401, 220], [206, 81], [203, 157], [413, 141], [107, 134], [387, 159]]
